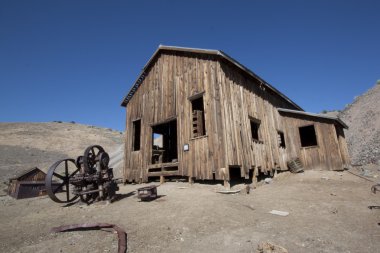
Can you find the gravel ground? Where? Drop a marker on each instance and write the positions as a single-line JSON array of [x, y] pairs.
[[363, 135]]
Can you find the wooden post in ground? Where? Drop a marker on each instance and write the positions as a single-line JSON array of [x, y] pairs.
[[162, 179], [191, 180], [227, 184]]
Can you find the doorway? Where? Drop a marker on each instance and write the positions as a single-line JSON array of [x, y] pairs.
[[235, 175], [164, 143]]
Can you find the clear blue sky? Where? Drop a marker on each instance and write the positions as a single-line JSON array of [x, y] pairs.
[[75, 60]]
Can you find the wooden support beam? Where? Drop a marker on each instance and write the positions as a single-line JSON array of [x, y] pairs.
[[227, 184], [162, 179]]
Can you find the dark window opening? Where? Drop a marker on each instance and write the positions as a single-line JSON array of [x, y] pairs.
[[262, 175], [235, 175], [154, 170], [281, 139], [173, 168], [136, 135], [164, 144], [251, 172], [308, 136], [255, 127], [198, 117], [339, 132]]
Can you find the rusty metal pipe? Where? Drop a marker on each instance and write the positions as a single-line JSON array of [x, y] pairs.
[[122, 235]]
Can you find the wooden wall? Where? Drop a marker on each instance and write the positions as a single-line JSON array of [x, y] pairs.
[[30, 184], [35, 175], [330, 152], [230, 97], [245, 98], [164, 94]]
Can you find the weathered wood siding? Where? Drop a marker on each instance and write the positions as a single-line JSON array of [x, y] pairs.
[[30, 184], [163, 94], [231, 97], [327, 155], [343, 146], [245, 98], [35, 175]]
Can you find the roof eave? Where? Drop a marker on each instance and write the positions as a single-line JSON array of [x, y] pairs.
[[338, 120]]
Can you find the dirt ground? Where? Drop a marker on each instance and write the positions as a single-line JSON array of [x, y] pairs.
[[328, 212]]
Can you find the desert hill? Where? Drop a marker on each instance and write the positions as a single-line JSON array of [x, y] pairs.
[[363, 135], [27, 145]]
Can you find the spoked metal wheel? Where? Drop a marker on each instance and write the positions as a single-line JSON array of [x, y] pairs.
[[57, 181], [90, 157]]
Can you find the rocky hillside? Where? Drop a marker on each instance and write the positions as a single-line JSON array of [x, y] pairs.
[[27, 145], [363, 119]]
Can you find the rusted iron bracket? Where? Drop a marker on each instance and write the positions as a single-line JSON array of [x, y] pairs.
[[122, 235], [360, 176]]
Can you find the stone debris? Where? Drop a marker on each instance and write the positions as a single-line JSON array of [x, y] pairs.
[[363, 135], [268, 247], [280, 213], [268, 180]]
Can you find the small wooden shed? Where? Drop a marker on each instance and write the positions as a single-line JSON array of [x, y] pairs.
[[28, 184]]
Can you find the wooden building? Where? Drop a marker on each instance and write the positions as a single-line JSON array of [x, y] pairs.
[[28, 184], [219, 120]]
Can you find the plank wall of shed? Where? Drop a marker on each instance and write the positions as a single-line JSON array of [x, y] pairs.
[[330, 152], [35, 175], [245, 98], [230, 97]]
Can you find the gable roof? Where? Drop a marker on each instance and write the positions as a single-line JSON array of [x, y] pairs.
[[26, 172], [219, 53], [336, 119]]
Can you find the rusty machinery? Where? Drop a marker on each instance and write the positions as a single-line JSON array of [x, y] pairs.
[[88, 178]]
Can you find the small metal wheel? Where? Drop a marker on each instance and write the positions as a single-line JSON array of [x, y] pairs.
[[57, 181], [90, 157], [104, 160]]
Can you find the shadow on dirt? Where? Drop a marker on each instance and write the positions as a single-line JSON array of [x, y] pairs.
[[158, 198], [119, 197]]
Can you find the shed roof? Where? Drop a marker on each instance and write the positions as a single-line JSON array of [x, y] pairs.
[[201, 51], [26, 172], [336, 119]]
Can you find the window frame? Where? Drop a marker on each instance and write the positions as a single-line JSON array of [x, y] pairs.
[[315, 134], [253, 120], [280, 141], [191, 99], [134, 146]]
